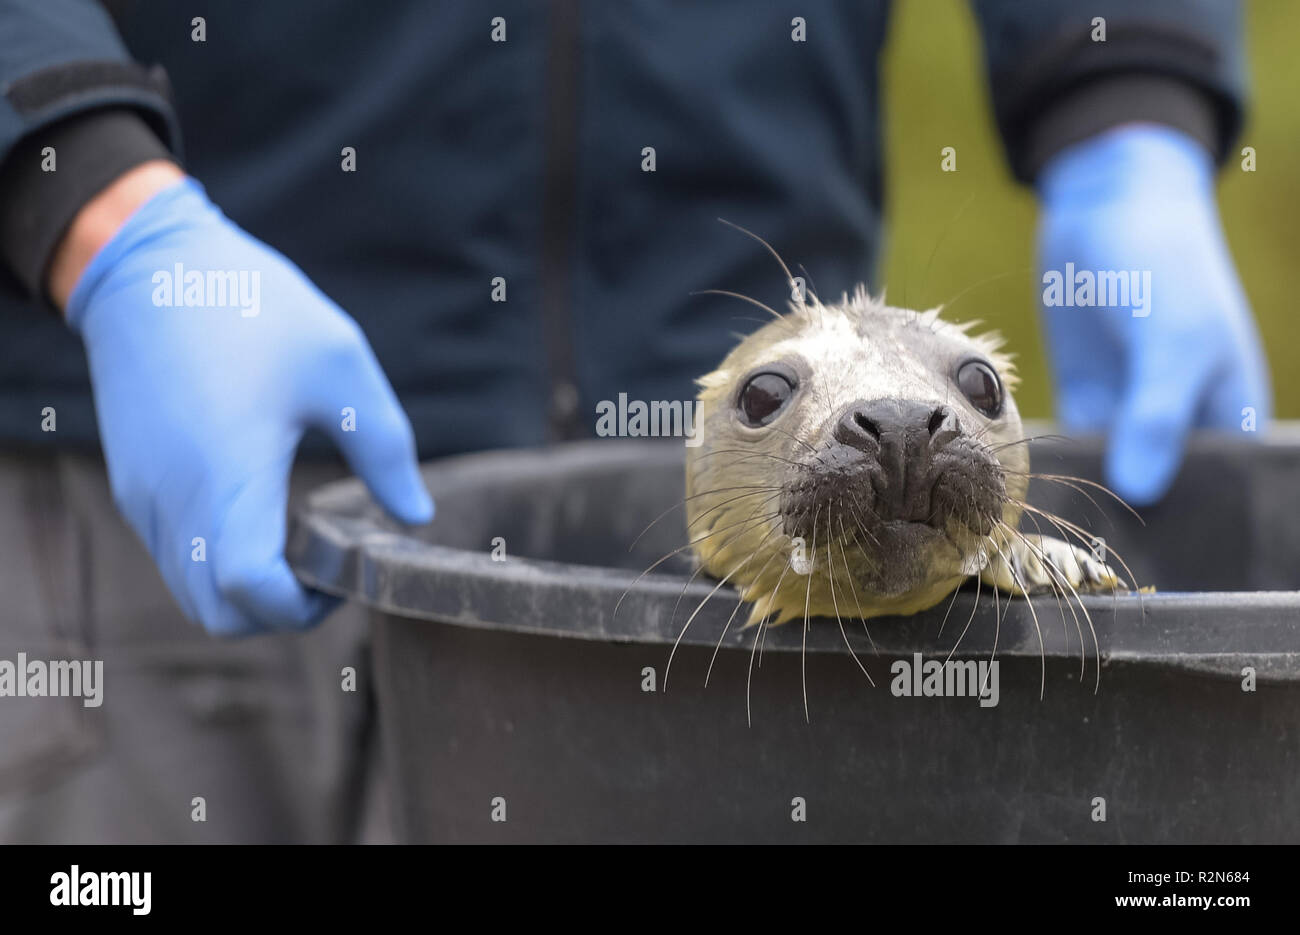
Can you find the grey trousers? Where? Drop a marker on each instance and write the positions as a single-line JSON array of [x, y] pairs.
[[196, 739]]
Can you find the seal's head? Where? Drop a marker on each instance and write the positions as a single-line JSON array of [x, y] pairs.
[[856, 459]]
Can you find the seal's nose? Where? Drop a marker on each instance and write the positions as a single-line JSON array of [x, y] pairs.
[[868, 426], [902, 435]]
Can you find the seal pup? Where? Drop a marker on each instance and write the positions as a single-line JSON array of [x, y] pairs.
[[859, 460]]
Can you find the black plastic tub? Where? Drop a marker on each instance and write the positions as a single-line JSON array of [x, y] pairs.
[[510, 688]]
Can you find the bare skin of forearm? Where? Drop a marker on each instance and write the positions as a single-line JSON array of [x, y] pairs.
[[99, 219]]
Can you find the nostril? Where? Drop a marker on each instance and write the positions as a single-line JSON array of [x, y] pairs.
[[937, 420], [867, 425]]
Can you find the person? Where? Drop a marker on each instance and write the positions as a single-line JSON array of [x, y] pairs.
[[487, 224]]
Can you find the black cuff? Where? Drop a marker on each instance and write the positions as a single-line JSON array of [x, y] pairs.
[[90, 150], [1107, 102]]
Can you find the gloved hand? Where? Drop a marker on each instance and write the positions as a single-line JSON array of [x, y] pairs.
[[1140, 198], [201, 405]]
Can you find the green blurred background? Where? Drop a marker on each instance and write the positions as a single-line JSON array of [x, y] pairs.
[[936, 95]]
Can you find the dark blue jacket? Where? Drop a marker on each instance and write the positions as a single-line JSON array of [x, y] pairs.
[[523, 159]]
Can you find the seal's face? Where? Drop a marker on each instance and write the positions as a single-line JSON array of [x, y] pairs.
[[854, 452]]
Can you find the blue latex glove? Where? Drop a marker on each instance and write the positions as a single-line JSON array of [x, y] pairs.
[[1141, 197], [201, 408]]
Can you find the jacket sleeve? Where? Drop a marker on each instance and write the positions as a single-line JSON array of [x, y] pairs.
[[68, 89], [1056, 81]]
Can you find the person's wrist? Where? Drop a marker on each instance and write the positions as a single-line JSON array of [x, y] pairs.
[[99, 219], [1128, 161]]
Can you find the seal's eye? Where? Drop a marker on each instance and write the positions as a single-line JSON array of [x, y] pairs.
[[982, 387], [763, 397]]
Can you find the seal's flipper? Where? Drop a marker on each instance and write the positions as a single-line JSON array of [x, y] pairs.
[[1023, 567]]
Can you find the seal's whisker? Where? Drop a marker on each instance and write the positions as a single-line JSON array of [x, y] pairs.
[[749, 676], [998, 611], [744, 496], [740, 603], [746, 524], [852, 538], [770, 249], [681, 503], [858, 518], [953, 600], [1085, 539], [682, 548], [1071, 481], [744, 298], [979, 584], [758, 321], [749, 523], [1042, 649], [1029, 439], [762, 643], [1064, 526], [762, 629], [1056, 588], [1096, 644], [848, 573], [812, 286], [689, 620], [717, 490], [830, 564], [659, 561], [1066, 581], [1055, 576], [803, 656], [753, 454], [781, 431], [1067, 482]]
